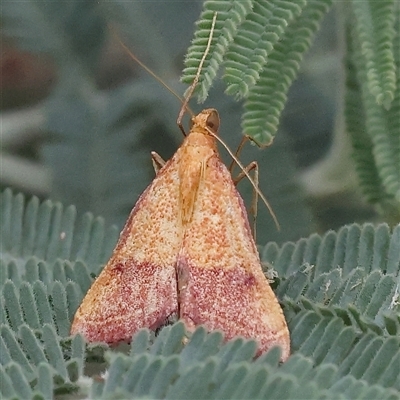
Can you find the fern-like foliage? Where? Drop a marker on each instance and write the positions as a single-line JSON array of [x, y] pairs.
[[230, 15], [253, 43], [353, 274], [48, 232], [207, 368], [339, 292], [261, 44], [374, 26], [266, 101], [250, 48], [373, 104], [367, 171]]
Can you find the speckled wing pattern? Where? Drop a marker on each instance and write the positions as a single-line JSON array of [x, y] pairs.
[[186, 250], [138, 288]]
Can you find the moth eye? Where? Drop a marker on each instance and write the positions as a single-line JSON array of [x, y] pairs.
[[213, 121]]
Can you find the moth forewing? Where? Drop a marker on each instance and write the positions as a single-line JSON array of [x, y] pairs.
[[137, 287]]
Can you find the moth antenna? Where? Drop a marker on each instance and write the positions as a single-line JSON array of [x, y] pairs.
[[256, 188], [147, 69], [197, 77]]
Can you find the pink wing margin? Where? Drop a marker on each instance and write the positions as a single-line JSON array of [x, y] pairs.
[[137, 288]]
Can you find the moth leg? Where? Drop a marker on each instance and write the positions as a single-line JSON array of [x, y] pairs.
[[245, 138], [253, 166], [157, 160]]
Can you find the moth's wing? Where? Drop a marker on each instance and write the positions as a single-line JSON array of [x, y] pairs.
[[221, 283], [137, 288]]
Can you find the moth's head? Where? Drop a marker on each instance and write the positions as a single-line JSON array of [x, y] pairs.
[[208, 119]]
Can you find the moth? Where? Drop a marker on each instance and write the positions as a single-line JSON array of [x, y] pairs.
[[186, 251]]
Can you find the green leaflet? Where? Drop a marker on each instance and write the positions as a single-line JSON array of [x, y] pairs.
[[367, 171], [230, 14], [372, 102], [353, 246], [50, 232], [255, 40], [374, 26], [266, 100], [353, 273]]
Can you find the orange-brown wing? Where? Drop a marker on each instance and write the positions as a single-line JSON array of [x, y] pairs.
[[221, 283], [138, 288]]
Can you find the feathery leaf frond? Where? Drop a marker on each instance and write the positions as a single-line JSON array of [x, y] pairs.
[[49, 232], [263, 106], [256, 38], [367, 172], [230, 14], [377, 139], [262, 50], [374, 25]]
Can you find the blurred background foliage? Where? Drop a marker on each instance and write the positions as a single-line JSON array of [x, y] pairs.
[[79, 117]]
